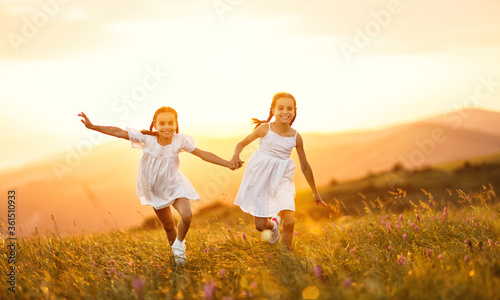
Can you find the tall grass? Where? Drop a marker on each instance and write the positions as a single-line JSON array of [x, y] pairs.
[[434, 251]]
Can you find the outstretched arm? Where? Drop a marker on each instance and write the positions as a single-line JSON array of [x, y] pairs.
[[211, 158], [261, 131], [110, 130], [306, 169]]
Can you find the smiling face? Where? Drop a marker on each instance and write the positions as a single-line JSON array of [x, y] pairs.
[[284, 110], [165, 124]]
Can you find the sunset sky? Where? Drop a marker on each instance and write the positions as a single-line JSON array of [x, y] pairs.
[[352, 65]]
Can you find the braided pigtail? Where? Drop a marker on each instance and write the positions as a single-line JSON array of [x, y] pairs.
[[293, 119], [258, 122], [150, 131]]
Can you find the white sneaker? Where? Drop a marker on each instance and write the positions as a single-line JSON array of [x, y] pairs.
[[179, 252], [275, 233]]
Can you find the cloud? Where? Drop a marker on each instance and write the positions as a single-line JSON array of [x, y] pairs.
[[35, 30], [82, 27]]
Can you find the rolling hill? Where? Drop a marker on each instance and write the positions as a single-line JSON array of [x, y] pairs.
[[96, 191]]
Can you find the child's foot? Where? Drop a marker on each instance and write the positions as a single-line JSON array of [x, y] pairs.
[[179, 252], [275, 232]]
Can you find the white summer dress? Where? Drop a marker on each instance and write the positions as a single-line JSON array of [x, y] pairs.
[[159, 181], [267, 186]]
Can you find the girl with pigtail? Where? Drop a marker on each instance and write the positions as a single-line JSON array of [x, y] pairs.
[[159, 182], [267, 189]]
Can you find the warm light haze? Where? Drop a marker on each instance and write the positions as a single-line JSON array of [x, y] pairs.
[[350, 65]]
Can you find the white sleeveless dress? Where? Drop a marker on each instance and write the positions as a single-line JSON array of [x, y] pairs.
[[267, 186], [159, 181]]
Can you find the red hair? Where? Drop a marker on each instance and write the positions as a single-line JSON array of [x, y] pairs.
[[160, 110], [273, 104]]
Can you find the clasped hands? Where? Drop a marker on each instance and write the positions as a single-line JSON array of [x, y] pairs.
[[235, 163]]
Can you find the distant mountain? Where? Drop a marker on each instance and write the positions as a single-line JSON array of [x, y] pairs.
[[96, 190], [469, 119], [439, 139]]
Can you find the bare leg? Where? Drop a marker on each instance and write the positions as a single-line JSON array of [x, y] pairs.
[[166, 218], [288, 219], [183, 206], [263, 223]]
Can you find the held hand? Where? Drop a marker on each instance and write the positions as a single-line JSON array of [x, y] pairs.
[[235, 163], [231, 165], [86, 121], [238, 163], [318, 200]]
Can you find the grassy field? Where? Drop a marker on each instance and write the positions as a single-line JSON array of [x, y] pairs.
[[435, 250], [466, 175]]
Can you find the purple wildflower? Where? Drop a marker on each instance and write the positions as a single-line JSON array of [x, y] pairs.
[[209, 290], [137, 285], [222, 274], [318, 272], [490, 242], [347, 282], [401, 259]]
